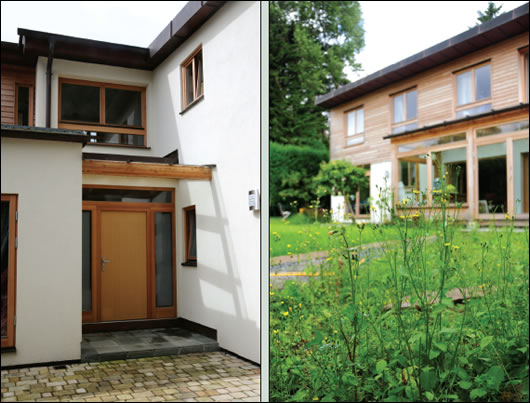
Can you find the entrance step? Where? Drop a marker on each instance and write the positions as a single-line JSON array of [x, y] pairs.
[[121, 345]]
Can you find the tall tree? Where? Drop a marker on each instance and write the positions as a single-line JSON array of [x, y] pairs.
[[310, 43], [490, 13]]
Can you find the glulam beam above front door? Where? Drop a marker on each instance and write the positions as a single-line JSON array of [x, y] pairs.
[[146, 170]]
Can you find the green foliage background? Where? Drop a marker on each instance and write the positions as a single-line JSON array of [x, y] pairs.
[[310, 44], [291, 170]]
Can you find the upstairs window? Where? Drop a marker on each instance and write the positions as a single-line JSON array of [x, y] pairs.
[[112, 114], [192, 79], [24, 105], [355, 126], [405, 111], [524, 73], [473, 86]]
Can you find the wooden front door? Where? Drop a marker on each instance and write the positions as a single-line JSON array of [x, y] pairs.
[[123, 265]]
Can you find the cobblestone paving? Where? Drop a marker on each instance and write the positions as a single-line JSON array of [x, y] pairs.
[[204, 377]]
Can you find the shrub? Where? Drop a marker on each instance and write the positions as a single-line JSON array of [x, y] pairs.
[[291, 169]]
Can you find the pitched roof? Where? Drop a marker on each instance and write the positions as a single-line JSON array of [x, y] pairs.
[[503, 27]]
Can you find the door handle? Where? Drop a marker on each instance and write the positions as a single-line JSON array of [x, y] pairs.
[[103, 261]]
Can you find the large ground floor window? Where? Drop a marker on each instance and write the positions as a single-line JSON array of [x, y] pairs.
[[485, 169]]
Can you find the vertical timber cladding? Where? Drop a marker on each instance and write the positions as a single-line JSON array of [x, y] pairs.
[[124, 256]]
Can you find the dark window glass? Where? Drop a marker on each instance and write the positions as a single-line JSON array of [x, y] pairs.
[[189, 84], [412, 105], [492, 183], [117, 138], [164, 259], [87, 261], [198, 74], [127, 195], [23, 106], [79, 103], [5, 262], [123, 107], [482, 83], [191, 235]]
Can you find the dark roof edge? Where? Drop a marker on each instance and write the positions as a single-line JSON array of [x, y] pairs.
[[192, 16], [189, 19], [456, 121], [326, 99], [42, 133]]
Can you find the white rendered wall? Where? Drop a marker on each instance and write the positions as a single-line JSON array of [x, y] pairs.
[[223, 291], [46, 176]]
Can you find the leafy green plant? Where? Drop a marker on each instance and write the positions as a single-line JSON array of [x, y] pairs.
[[432, 313]]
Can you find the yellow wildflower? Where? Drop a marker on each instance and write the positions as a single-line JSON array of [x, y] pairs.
[[447, 244], [405, 201], [271, 293], [275, 331], [416, 191], [299, 305], [456, 247], [286, 313]]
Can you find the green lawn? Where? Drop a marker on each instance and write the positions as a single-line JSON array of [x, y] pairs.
[[301, 235]]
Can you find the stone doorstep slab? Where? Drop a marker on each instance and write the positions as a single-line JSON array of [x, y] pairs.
[[120, 345], [90, 355]]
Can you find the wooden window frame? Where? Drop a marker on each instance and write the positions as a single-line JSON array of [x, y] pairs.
[[97, 207], [102, 126], [9, 341], [189, 260], [31, 101], [196, 97], [474, 103], [355, 135], [405, 122]]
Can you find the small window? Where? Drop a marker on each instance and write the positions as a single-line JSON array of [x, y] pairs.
[[524, 73], [24, 105], [8, 239], [192, 79], [191, 236], [355, 126], [473, 85], [111, 114], [405, 111]]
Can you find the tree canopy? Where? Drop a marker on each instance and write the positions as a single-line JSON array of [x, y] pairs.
[[490, 13], [310, 45]]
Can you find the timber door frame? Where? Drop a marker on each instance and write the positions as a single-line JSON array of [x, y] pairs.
[[96, 208]]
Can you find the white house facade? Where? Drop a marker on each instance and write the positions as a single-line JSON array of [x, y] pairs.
[[125, 186]]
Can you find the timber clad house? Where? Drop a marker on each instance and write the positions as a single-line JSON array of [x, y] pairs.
[[125, 180], [459, 108]]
